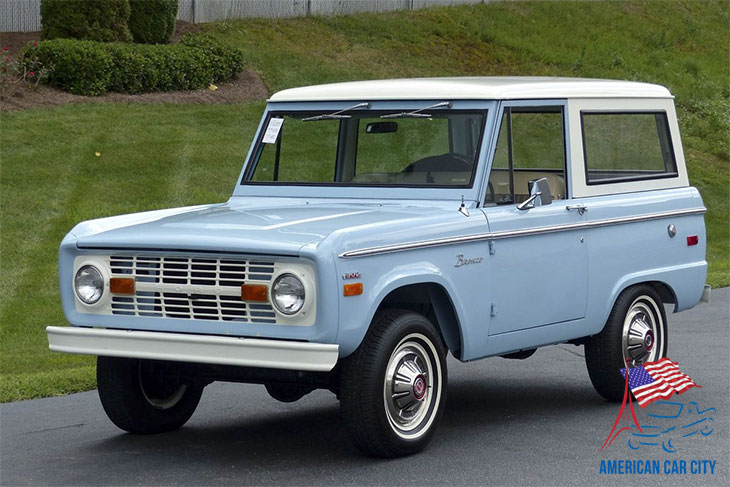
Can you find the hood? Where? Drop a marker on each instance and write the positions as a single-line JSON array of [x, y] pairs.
[[252, 226]]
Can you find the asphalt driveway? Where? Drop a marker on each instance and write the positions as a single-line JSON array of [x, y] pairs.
[[507, 422]]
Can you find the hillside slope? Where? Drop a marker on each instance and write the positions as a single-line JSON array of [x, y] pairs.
[[683, 45]]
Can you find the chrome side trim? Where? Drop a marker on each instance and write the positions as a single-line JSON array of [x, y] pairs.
[[206, 349], [387, 249]]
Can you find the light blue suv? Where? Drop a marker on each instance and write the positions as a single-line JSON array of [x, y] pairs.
[[377, 226]]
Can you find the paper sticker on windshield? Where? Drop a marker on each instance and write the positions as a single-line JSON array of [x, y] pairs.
[[272, 131]]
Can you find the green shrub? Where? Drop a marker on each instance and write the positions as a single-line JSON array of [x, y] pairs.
[[227, 61], [81, 67], [152, 21], [94, 20], [146, 68], [93, 68]]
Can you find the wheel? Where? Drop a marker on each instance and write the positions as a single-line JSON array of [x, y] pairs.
[[636, 332], [143, 396], [393, 387], [287, 392]]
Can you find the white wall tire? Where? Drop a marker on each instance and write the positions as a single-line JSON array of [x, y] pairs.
[[393, 387], [635, 332]]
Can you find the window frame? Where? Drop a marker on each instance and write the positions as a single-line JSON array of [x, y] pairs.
[[537, 106], [668, 148]]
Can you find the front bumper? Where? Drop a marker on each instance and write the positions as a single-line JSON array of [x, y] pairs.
[[178, 347]]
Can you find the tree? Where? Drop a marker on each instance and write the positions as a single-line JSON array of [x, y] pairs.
[[152, 21], [95, 20]]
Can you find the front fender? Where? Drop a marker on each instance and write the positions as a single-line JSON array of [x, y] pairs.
[[357, 312]]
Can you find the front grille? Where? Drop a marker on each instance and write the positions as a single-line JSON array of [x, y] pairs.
[[191, 288]]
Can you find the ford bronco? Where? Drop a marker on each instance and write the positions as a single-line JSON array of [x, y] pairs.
[[377, 226]]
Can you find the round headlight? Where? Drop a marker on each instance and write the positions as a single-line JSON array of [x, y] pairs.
[[89, 284], [288, 294]]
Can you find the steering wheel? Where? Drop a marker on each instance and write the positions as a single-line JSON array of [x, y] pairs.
[[448, 162]]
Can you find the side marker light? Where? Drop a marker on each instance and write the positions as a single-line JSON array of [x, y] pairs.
[[354, 289]]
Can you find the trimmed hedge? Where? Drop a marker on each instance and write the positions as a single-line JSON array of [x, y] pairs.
[[152, 21], [93, 68], [94, 20], [227, 61]]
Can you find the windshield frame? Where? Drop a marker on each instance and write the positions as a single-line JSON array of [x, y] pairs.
[[246, 187]]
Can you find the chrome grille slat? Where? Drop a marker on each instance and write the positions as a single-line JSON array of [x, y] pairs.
[[190, 288]]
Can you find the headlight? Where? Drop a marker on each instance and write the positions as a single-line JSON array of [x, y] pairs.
[[89, 284], [288, 294]]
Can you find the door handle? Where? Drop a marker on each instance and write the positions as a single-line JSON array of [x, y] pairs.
[[581, 208]]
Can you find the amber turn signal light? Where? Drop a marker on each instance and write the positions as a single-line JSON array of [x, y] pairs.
[[352, 289], [253, 292], [121, 285]]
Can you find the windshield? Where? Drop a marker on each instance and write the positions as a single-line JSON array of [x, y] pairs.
[[368, 148]]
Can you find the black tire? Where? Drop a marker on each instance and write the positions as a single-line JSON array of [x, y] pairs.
[[397, 341], [140, 399], [606, 351], [287, 392]]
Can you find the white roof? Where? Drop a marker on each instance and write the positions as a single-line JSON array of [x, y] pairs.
[[474, 88]]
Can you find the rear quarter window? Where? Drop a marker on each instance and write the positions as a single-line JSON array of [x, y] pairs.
[[627, 147]]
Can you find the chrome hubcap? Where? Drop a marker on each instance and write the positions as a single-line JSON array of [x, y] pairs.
[[649, 341], [412, 386], [641, 332], [419, 387]]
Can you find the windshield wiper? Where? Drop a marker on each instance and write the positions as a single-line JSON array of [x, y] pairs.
[[338, 114], [417, 113]]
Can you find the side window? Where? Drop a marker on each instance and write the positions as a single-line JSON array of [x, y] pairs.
[[622, 147], [531, 145]]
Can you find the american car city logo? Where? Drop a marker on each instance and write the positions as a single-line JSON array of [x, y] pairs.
[[677, 423]]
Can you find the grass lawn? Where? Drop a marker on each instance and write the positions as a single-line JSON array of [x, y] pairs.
[[155, 156], [151, 157]]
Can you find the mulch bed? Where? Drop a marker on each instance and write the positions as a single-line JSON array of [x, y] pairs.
[[247, 86]]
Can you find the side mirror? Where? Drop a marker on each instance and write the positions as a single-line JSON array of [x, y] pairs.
[[381, 128], [539, 195]]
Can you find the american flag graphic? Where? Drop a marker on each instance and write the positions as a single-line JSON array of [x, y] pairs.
[[657, 380]]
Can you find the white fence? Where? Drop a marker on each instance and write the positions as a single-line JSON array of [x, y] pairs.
[[20, 15], [25, 16]]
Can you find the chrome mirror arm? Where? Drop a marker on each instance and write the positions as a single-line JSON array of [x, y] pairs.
[[529, 202]]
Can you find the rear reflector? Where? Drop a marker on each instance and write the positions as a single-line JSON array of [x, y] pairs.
[[121, 285], [692, 240], [253, 292], [352, 289]]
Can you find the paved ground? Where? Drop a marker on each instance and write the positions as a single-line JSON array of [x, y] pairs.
[[507, 422]]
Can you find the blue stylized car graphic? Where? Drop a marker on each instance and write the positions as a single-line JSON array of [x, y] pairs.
[[668, 436]]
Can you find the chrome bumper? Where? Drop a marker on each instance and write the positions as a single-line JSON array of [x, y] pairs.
[[247, 352]]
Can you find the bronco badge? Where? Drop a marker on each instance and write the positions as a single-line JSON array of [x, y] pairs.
[[461, 260]]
